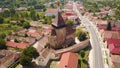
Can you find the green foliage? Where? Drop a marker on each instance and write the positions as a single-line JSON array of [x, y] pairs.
[[26, 25], [82, 53], [1, 20], [39, 6], [80, 34], [25, 60], [2, 35], [83, 57], [70, 22], [17, 41], [109, 26], [31, 52], [3, 44], [47, 20], [91, 7], [28, 54], [12, 11]]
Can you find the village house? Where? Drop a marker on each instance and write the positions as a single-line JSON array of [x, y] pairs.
[[7, 57], [104, 26], [33, 33], [113, 45], [51, 12], [68, 60], [20, 45], [110, 34], [28, 40], [71, 15], [68, 6], [61, 33], [46, 29], [45, 55], [21, 32], [115, 61]]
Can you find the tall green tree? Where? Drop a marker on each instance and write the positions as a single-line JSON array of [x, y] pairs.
[[1, 20], [109, 26], [80, 34], [25, 60], [31, 52], [2, 35], [26, 25], [2, 44]]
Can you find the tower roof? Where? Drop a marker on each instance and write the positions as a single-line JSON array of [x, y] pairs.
[[59, 21]]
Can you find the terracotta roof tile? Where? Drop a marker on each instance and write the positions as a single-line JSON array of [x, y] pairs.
[[68, 60], [21, 45]]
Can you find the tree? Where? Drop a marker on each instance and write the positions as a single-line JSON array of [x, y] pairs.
[[47, 20], [6, 13], [25, 60], [12, 11], [1, 20], [80, 34], [31, 52], [109, 26], [70, 22], [82, 53], [2, 44], [17, 41], [26, 25], [2, 35]]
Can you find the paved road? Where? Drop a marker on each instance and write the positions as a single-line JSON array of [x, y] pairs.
[[94, 39]]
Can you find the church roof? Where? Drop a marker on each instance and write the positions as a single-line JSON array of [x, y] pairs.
[[59, 21]]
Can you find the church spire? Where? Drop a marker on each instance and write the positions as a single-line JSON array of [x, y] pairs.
[[58, 6]]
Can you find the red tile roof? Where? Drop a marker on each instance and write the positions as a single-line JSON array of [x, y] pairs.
[[69, 14], [104, 26], [33, 33], [113, 41], [101, 26], [115, 60], [68, 60], [114, 48], [117, 28], [21, 45], [111, 34]]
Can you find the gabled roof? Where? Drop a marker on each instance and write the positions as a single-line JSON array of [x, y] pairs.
[[68, 60], [21, 45], [113, 41], [59, 21], [114, 48], [51, 10], [111, 34]]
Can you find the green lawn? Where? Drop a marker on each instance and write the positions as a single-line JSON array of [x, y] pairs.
[[54, 64]]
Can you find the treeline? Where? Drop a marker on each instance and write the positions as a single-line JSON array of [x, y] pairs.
[[20, 3]]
